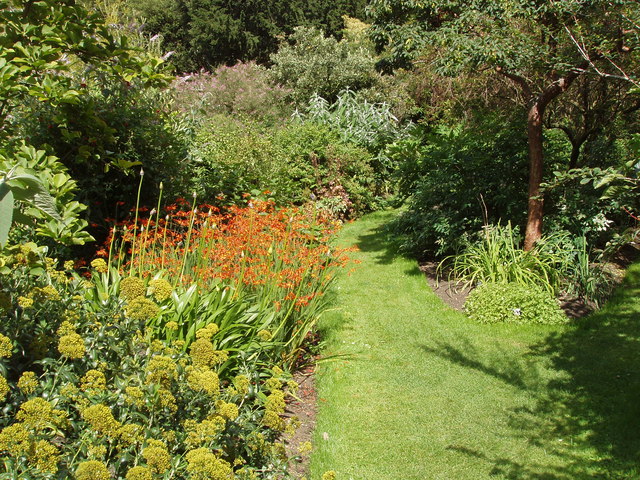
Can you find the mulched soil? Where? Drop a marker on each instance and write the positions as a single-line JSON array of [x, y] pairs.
[[305, 410]]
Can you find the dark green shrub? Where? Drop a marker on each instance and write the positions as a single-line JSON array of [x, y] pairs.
[[114, 129], [513, 303], [456, 176]]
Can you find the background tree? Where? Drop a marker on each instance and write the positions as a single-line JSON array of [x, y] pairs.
[[208, 33], [542, 47]]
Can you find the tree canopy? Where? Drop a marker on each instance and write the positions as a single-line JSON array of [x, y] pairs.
[[541, 47]]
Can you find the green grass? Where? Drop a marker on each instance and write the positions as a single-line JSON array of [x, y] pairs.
[[418, 391]]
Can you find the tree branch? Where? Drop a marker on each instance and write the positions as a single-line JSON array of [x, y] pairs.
[[517, 79]]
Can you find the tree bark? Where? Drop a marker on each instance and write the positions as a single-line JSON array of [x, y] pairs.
[[538, 104], [533, 232]]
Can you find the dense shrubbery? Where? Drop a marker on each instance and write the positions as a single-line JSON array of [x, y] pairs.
[[113, 127], [456, 176], [314, 64], [513, 303], [244, 90], [294, 163]]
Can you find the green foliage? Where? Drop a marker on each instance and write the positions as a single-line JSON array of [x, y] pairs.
[[456, 176], [43, 41], [369, 125], [209, 33], [310, 63], [37, 192], [513, 303], [111, 128], [244, 90], [498, 258], [293, 163]]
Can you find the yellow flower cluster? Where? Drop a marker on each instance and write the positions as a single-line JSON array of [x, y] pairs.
[[141, 308], [204, 432], [72, 346], [208, 332], [264, 335], [203, 380], [38, 414], [28, 383], [139, 473], [241, 384], [203, 464], [204, 355], [304, 448], [66, 328], [6, 347], [161, 370], [17, 440], [157, 456], [25, 302], [48, 292], [160, 289], [330, 475], [134, 396], [99, 265], [272, 384], [92, 470], [167, 400], [274, 407], [173, 326], [100, 418], [4, 388], [45, 457], [227, 410], [130, 434], [132, 287], [93, 382]]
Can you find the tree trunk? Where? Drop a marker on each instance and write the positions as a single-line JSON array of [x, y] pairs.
[[533, 232]]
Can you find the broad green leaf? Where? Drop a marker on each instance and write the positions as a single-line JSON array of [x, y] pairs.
[[6, 212]]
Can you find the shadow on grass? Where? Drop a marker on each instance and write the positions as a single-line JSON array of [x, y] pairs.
[[384, 242], [586, 414]]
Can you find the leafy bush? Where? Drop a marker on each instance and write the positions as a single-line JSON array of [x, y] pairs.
[[457, 179], [294, 163], [369, 125], [113, 127], [513, 303], [244, 90], [311, 63], [37, 194]]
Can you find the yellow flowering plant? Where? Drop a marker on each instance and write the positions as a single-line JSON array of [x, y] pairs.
[[128, 405]]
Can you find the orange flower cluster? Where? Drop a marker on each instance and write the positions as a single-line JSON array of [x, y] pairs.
[[281, 253]]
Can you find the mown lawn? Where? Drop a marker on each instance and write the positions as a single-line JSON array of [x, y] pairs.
[[415, 390]]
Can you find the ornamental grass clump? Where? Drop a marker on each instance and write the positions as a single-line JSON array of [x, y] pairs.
[[121, 404], [513, 303]]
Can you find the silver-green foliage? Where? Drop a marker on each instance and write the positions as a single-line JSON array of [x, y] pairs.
[[314, 64], [513, 303]]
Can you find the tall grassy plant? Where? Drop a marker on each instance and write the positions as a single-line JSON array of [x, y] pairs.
[[498, 258]]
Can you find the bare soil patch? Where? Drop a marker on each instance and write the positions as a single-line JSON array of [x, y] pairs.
[[304, 409]]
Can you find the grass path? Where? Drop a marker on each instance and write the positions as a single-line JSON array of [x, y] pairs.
[[418, 391]]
